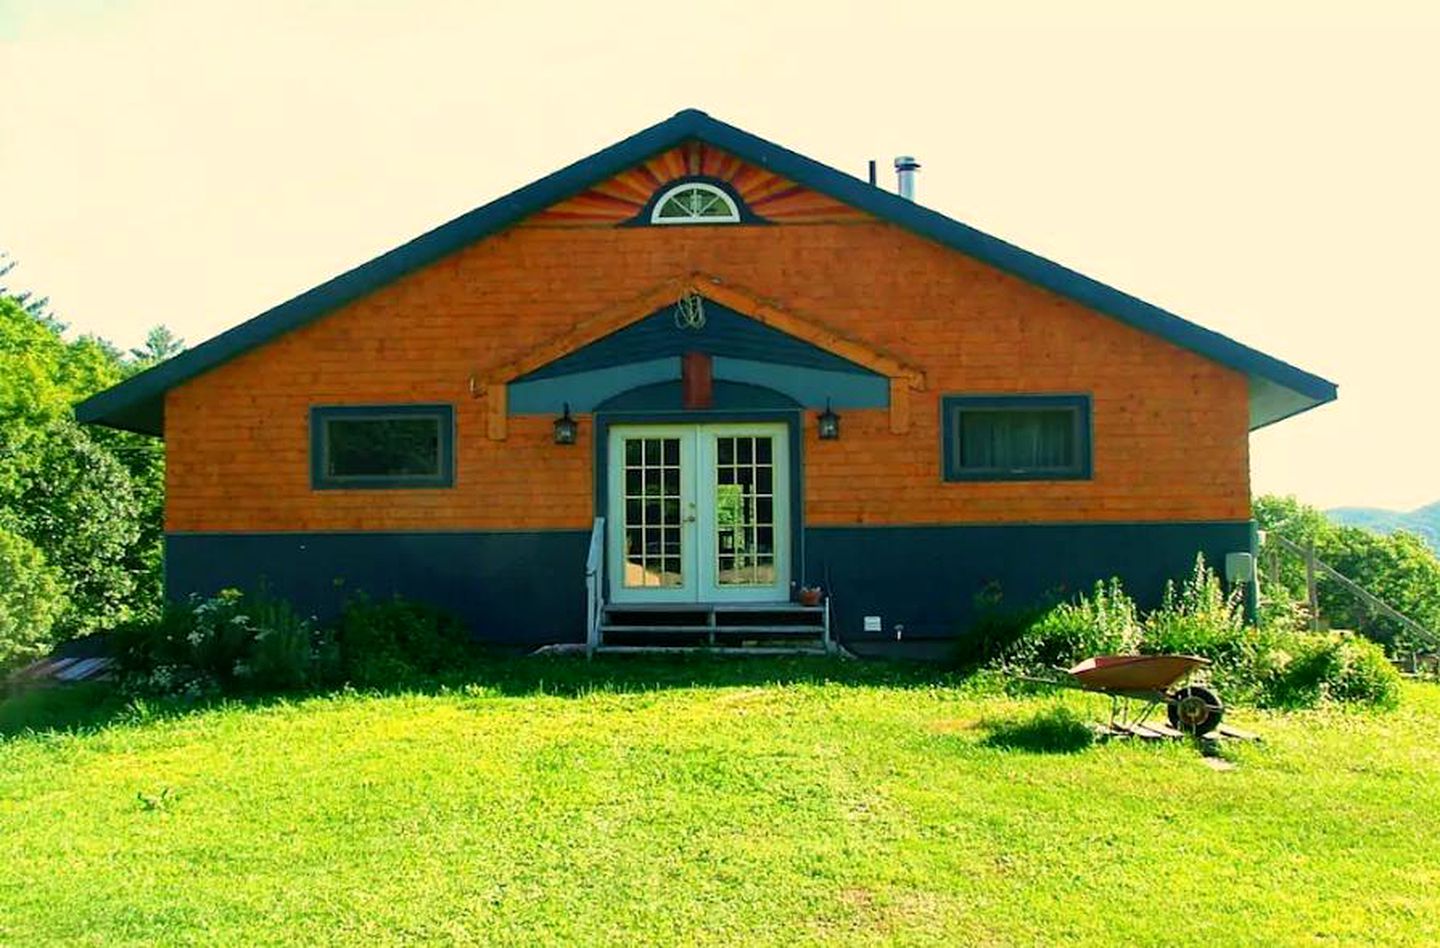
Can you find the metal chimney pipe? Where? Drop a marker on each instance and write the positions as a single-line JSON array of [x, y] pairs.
[[905, 168]]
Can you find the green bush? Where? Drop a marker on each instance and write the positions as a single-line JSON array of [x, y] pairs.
[[221, 637], [1105, 622], [999, 629], [141, 645], [1277, 664], [397, 639], [287, 652], [237, 642], [1301, 670], [30, 600], [1281, 611], [229, 642], [159, 655]]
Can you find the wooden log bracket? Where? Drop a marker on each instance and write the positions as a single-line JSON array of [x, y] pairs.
[[497, 411], [899, 405]]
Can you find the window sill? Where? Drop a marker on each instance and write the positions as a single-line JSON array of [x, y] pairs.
[[961, 477], [383, 484]]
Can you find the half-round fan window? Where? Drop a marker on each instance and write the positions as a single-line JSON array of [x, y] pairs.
[[695, 203]]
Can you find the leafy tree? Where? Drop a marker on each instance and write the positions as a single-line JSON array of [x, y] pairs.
[[1399, 569], [30, 599], [142, 457], [38, 307], [160, 344], [144, 460], [89, 499], [77, 504], [1298, 523]]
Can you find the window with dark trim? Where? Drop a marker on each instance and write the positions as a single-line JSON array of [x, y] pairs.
[[390, 446], [694, 199], [695, 202], [1016, 437]]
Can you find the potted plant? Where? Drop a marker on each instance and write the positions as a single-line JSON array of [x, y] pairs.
[[810, 595]]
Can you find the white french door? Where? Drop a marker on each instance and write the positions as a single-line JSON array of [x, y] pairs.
[[699, 513]]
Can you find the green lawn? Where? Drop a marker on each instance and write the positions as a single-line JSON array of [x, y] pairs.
[[704, 802]]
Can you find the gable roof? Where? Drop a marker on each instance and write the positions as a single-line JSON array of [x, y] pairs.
[[1277, 389]]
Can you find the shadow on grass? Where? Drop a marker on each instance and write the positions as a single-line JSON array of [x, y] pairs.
[[93, 705], [1056, 730], [50, 708]]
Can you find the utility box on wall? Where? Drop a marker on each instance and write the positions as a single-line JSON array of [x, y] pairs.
[[1239, 568]]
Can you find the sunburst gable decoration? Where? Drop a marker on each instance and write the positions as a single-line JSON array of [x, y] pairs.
[[628, 197]]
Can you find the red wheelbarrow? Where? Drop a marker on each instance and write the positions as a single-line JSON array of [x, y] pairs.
[[1153, 679]]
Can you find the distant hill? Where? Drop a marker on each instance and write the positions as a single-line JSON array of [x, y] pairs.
[[1425, 521]]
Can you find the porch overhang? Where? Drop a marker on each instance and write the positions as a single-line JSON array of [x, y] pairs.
[[864, 375]]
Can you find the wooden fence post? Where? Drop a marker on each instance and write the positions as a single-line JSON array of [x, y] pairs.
[[1313, 593]]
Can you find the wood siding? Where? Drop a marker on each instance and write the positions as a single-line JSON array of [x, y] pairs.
[[1169, 427]]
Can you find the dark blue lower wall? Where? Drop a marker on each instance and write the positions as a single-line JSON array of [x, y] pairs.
[[520, 587], [529, 587], [926, 578]]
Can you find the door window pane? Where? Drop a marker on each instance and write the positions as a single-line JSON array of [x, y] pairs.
[[652, 529], [745, 511]]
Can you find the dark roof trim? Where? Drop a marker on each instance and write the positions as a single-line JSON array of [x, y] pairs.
[[138, 403]]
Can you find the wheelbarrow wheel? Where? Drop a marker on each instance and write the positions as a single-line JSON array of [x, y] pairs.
[[1195, 709]]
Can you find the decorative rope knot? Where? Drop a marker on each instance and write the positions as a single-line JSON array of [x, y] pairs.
[[690, 312]]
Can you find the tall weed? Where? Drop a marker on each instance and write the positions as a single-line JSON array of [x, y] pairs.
[[1197, 617], [1106, 622]]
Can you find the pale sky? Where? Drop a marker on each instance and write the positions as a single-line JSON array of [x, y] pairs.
[[1266, 170]]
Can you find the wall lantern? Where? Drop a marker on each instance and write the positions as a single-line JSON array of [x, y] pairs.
[[566, 428], [829, 424]]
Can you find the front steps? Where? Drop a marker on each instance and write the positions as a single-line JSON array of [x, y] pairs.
[[736, 628]]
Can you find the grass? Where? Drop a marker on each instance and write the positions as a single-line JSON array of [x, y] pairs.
[[705, 802]]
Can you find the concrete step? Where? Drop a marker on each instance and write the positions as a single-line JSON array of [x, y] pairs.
[[707, 608], [711, 649], [719, 629]]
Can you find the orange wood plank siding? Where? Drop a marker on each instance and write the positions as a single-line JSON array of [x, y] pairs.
[[1170, 428]]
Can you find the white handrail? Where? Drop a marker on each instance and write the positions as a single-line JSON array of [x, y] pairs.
[[594, 586]]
